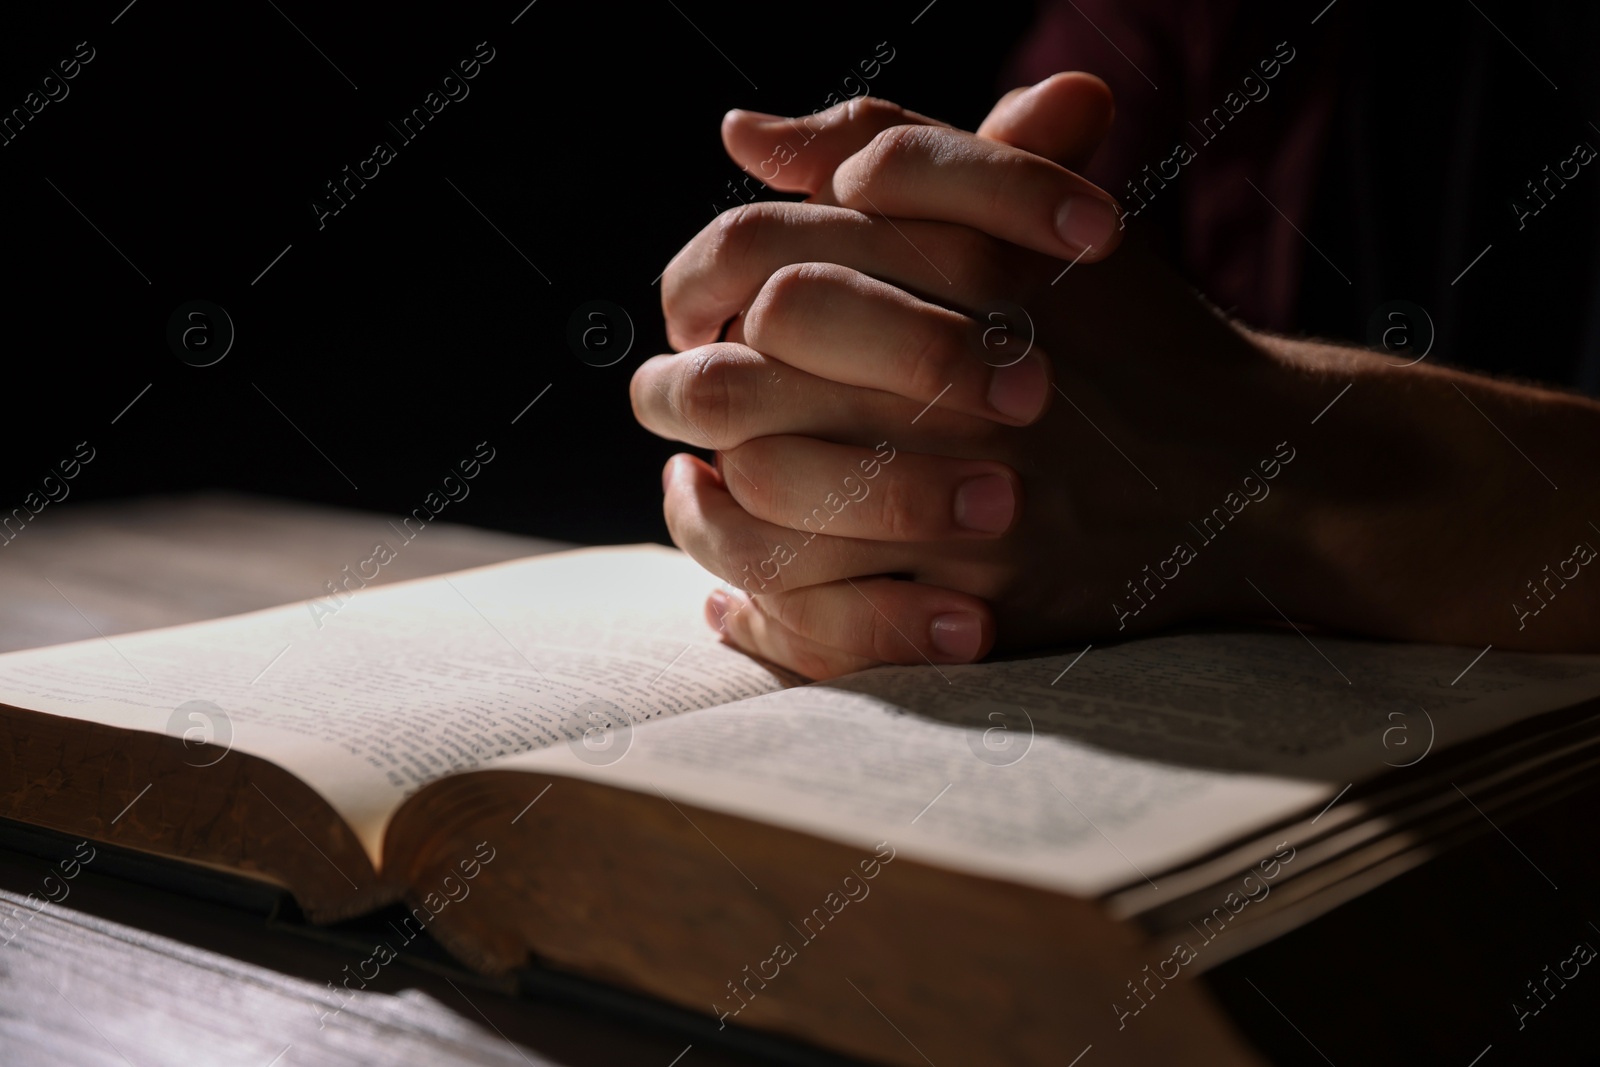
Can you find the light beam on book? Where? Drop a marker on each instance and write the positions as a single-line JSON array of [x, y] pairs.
[[1220, 787]]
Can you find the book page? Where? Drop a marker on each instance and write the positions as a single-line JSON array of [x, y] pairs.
[[1085, 775], [368, 697]]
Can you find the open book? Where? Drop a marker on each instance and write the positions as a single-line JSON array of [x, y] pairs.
[[555, 758]]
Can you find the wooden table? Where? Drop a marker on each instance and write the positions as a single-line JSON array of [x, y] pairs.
[[1420, 970], [122, 974]]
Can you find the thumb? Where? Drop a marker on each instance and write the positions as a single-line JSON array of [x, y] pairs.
[[1063, 118]]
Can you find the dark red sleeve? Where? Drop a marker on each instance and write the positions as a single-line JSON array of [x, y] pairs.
[[1171, 65]]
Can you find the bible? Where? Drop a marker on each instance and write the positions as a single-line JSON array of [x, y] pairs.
[[556, 760]]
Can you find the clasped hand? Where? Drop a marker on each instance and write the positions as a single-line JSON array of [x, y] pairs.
[[900, 480]]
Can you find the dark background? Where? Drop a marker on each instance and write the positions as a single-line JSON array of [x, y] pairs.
[[380, 349], [406, 330]]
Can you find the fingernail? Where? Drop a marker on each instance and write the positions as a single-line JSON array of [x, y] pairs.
[[666, 474], [1086, 222], [717, 607], [1019, 390], [985, 503], [956, 634]]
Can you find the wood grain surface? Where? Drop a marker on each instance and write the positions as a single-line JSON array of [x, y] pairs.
[[1422, 970], [121, 974]]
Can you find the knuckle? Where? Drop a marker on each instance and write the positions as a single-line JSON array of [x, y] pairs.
[[709, 395], [830, 641], [901, 139], [857, 631], [798, 613], [872, 111], [782, 296], [1013, 184], [737, 233], [898, 515], [810, 615], [888, 148], [922, 361], [883, 157], [776, 300]]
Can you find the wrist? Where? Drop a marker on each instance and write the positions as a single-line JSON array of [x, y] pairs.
[[1416, 506]]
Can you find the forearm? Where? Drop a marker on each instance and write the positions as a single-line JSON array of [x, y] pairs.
[[1437, 505]]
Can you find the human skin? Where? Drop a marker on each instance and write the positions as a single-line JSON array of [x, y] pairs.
[[1419, 506]]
